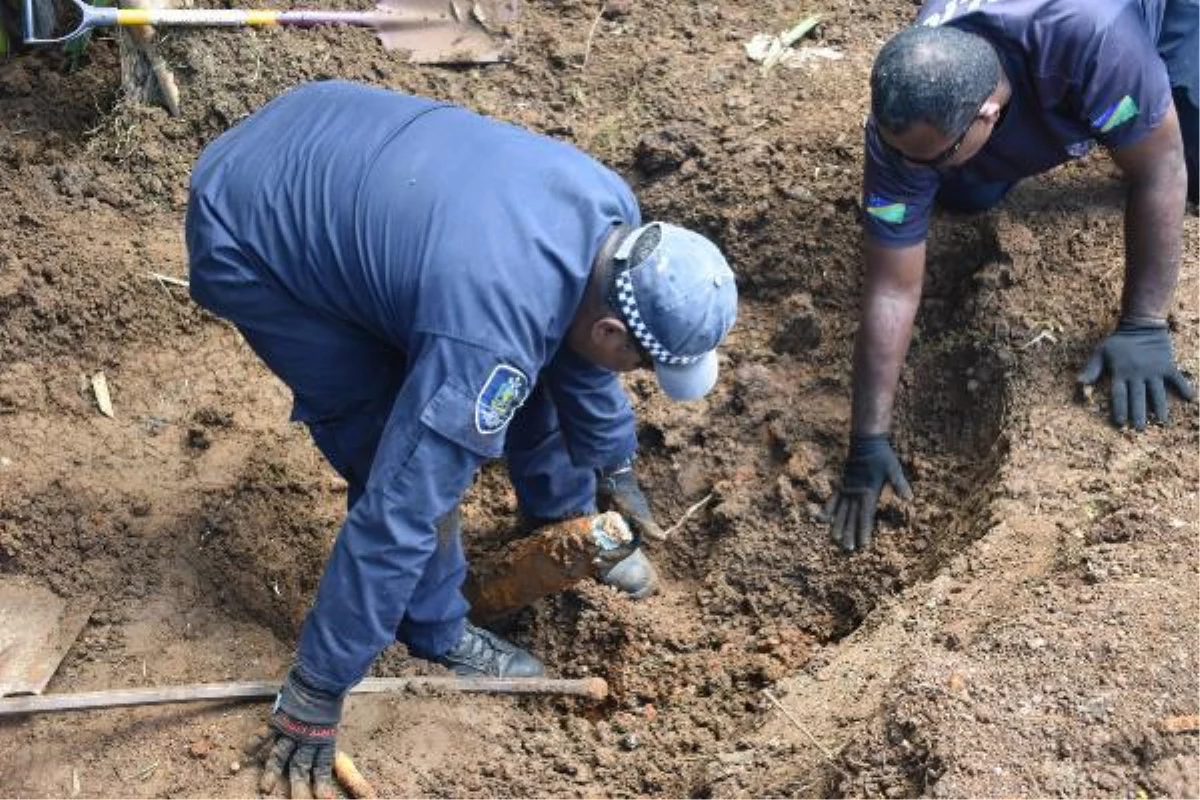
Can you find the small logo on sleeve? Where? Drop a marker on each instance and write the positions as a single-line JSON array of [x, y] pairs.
[[505, 390], [884, 209], [1118, 113]]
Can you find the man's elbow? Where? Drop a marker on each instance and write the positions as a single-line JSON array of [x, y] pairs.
[[1164, 174], [1161, 168]]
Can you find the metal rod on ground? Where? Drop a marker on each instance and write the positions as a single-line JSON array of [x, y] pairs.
[[593, 688]]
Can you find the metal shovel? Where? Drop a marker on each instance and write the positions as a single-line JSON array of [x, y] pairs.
[[433, 31]]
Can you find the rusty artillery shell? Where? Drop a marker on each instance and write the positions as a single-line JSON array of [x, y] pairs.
[[552, 558]]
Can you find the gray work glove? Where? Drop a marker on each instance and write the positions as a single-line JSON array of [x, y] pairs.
[[1140, 360], [617, 490], [302, 738], [851, 511]]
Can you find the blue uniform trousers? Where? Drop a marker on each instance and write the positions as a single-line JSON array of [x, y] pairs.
[[344, 381]]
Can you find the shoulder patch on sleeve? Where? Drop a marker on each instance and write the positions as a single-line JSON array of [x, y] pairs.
[[1118, 113], [505, 390], [884, 209]]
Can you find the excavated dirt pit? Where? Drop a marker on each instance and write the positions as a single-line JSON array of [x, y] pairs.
[[1026, 627]]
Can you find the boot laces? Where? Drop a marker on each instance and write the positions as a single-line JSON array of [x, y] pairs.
[[483, 649]]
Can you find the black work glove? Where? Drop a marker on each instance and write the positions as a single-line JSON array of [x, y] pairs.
[[851, 511], [617, 490], [1141, 361], [302, 738]]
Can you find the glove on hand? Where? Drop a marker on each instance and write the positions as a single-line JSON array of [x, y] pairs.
[[617, 490], [1140, 361], [851, 511], [302, 737]]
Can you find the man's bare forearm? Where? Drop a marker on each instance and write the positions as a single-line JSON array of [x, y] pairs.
[[1157, 179], [1153, 238], [891, 294]]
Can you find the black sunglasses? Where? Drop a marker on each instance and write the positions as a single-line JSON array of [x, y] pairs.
[[949, 152], [940, 158]]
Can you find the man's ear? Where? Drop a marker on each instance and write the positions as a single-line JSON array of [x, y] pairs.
[[989, 112], [607, 332]]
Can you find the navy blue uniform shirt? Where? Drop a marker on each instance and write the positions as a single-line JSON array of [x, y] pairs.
[[462, 242], [1082, 72]]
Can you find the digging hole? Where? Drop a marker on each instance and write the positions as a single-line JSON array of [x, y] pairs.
[[957, 398], [956, 395], [950, 437]]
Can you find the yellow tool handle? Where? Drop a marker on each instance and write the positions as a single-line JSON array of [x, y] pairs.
[[196, 17]]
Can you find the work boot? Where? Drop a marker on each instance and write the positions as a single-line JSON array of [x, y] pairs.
[[634, 575], [481, 652]]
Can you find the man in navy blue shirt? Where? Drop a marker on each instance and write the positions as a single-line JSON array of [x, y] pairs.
[[439, 289], [977, 95]]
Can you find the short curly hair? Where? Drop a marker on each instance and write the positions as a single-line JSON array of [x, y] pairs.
[[936, 75]]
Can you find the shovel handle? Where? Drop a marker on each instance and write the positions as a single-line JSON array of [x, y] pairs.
[[431, 31], [237, 17], [593, 688], [106, 17]]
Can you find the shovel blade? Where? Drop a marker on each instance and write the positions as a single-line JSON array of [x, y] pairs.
[[449, 31], [37, 628]]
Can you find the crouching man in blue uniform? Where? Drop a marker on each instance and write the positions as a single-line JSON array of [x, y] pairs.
[[438, 289], [976, 96]]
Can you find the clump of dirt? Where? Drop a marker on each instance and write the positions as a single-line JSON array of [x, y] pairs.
[[264, 540], [77, 542]]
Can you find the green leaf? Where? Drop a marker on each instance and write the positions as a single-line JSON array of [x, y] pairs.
[[797, 33]]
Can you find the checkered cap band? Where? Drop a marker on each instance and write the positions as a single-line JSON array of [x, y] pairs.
[[627, 305]]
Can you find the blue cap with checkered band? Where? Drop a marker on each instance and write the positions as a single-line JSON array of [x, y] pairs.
[[677, 295]]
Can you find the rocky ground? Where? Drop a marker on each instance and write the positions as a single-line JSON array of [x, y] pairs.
[[1026, 627]]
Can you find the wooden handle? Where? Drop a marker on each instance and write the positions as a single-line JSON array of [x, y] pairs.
[[351, 779]]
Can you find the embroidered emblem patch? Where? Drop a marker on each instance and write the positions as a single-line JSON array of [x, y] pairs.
[[505, 390], [1081, 149], [883, 209], [1118, 113]]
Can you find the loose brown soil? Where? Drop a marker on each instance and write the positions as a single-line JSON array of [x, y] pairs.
[[1027, 627]]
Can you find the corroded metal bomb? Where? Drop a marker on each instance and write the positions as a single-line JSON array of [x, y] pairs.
[[552, 558]]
